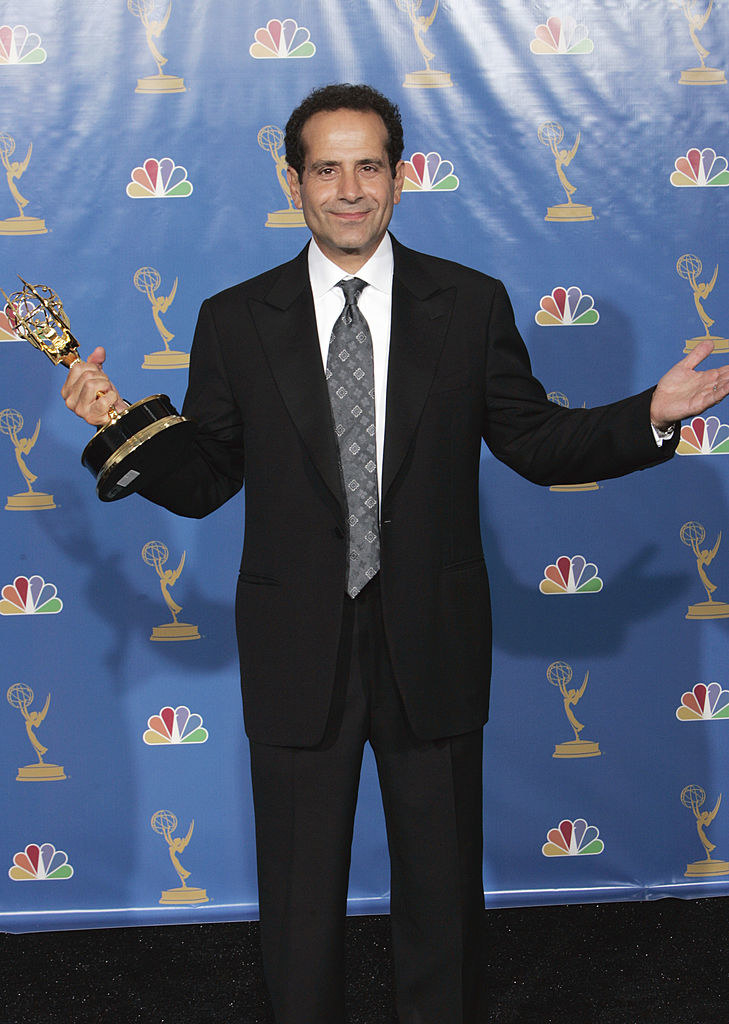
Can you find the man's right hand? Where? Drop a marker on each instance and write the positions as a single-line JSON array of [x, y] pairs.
[[88, 391]]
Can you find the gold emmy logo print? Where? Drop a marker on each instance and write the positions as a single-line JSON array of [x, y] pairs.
[[696, 19], [11, 423], [551, 134], [271, 139], [693, 536], [148, 280], [694, 798], [164, 824], [559, 674], [689, 267], [14, 171], [427, 79], [561, 399], [21, 697], [155, 553], [154, 17]]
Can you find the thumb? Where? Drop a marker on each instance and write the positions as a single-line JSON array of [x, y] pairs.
[[97, 356]]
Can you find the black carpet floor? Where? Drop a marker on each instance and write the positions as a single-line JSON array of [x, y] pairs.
[[660, 962]]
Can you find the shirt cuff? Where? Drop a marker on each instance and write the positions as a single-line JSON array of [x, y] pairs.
[[662, 435]]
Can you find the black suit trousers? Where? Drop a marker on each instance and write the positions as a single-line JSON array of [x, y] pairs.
[[304, 800]]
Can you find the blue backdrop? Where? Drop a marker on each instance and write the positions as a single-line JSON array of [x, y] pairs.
[[578, 153]]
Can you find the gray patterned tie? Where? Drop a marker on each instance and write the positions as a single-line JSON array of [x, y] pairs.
[[351, 381]]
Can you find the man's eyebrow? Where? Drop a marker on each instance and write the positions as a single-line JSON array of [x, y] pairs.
[[376, 160]]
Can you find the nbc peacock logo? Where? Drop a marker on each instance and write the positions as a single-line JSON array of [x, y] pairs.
[[429, 173], [30, 595], [700, 168], [704, 703], [20, 46], [573, 839], [40, 863], [571, 575], [561, 36], [567, 307], [704, 435], [174, 726], [282, 39], [159, 179]]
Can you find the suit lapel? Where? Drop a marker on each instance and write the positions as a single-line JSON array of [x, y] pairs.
[[420, 316], [286, 324]]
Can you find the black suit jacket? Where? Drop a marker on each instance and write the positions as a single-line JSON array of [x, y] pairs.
[[458, 371]]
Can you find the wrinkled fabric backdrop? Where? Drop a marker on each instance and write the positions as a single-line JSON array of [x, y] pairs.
[[114, 161]]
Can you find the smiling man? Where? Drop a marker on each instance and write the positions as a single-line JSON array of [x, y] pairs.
[[351, 388]]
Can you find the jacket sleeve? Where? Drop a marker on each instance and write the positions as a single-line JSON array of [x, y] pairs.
[[212, 470], [545, 442]]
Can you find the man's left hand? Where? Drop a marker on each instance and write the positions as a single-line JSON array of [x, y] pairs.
[[685, 391]]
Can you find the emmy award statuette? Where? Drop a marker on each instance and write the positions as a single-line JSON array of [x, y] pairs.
[[153, 16], [164, 824], [689, 267], [11, 423], [694, 797], [427, 79], [148, 280], [155, 553], [21, 696], [14, 170], [559, 674], [136, 444], [271, 139], [693, 535], [560, 399], [696, 21], [550, 134]]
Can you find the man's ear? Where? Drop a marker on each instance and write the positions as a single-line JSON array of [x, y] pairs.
[[399, 180], [295, 186]]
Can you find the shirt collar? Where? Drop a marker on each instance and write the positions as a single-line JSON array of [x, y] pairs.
[[376, 272]]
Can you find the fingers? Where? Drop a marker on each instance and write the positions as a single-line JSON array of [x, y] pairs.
[[698, 354], [88, 392]]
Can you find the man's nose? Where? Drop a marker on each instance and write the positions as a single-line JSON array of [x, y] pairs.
[[349, 185]]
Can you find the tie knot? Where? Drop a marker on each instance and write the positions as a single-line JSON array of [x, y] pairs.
[[352, 288]]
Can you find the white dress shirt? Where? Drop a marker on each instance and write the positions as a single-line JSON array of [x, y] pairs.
[[375, 303]]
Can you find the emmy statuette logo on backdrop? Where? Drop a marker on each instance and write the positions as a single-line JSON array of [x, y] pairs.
[[154, 17], [693, 536], [427, 79], [21, 697], [689, 267], [155, 553], [11, 423], [164, 824], [14, 171], [696, 20], [136, 444], [271, 139], [551, 134], [148, 280], [694, 798], [561, 399], [559, 674]]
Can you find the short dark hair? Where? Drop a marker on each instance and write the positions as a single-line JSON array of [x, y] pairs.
[[343, 97]]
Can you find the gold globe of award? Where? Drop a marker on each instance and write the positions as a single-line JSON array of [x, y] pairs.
[[137, 444]]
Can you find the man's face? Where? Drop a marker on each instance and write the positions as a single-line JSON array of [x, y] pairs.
[[346, 189]]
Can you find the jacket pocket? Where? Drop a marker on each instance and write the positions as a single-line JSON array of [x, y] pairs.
[[468, 563], [257, 580]]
